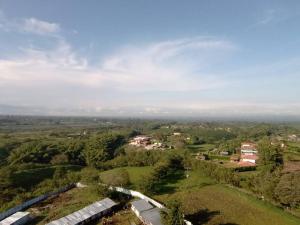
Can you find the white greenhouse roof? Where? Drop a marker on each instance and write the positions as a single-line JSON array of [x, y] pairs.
[[85, 213], [14, 218]]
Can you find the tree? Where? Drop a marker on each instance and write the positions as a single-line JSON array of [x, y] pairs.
[[101, 149], [287, 190], [74, 151], [59, 176], [269, 154], [173, 215], [33, 151]]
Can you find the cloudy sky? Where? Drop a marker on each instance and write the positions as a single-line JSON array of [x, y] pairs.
[[143, 57]]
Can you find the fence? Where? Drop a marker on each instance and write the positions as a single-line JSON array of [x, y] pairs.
[[33, 201]]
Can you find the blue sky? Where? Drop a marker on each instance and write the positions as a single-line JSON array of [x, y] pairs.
[[151, 57]]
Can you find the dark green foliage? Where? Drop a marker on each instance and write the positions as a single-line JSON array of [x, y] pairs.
[[174, 214], [269, 154], [33, 152], [287, 190], [74, 151], [168, 167], [101, 148], [217, 172]]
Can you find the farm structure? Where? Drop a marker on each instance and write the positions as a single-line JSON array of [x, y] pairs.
[[87, 214], [146, 212], [19, 218]]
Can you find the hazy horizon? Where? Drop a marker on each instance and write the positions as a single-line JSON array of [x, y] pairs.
[[194, 59]]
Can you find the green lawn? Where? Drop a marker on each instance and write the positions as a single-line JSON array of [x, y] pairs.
[[208, 203], [201, 148], [135, 173]]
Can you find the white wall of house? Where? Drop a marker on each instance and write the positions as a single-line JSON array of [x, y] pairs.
[[249, 160]]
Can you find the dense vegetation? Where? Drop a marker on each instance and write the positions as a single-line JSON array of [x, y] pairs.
[[40, 154]]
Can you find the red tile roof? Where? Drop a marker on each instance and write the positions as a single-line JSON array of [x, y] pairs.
[[241, 163], [255, 157]]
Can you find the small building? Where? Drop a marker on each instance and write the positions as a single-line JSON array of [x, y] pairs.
[[140, 141], [87, 214], [249, 155], [19, 218], [146, 212], [155, 145], [248, 148], [176, 133], [249, 158], [224, 153], [292, 137]]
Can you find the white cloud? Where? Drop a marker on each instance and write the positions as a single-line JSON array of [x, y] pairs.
[[160, 66], [132, 80], [29, 25], [132, 71], [37, 26]]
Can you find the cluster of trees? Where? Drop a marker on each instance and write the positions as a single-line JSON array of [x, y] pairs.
[[90, 151], [174, 214], [152, 183], [102, 148]]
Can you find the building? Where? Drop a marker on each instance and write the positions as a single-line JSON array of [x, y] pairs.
[[85, 215], [248, 148], [141, 141], [224, 153], [155, 145], [146, 212], [249, 158], [249, 155], [19, 218], [293, 137]]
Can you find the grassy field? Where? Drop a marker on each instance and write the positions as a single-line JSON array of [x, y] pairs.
[[201, 148], [206, 202], [135, 174]]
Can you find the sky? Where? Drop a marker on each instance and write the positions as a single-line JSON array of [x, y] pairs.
[[150, 58]]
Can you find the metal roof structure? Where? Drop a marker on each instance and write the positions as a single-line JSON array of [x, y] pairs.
[[88, 213], [149, 214], [16, 219], [141, 205], [152, 216]]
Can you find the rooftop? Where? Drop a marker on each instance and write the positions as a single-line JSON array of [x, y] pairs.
[[152, 216], [141, 205], [85, 213], [14, 218]]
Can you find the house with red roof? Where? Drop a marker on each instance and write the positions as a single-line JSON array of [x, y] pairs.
[[249, 154]]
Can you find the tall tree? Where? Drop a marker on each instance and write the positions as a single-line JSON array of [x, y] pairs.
[[174, 215]]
